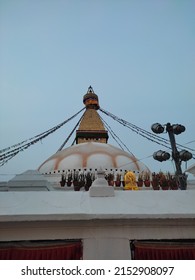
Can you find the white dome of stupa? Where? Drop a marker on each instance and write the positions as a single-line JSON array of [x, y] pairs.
[[91, 156]]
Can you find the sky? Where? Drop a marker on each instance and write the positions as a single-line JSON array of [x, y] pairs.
[[138, 55]]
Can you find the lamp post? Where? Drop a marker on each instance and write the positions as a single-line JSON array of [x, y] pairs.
[[177, 156]]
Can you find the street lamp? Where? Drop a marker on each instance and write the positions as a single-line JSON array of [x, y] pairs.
[[161, 156], [177, 156], [157, 128]]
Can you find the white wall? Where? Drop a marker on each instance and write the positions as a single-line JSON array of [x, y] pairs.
[[105, 224]]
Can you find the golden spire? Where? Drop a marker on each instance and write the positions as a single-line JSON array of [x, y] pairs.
[[91, 127]]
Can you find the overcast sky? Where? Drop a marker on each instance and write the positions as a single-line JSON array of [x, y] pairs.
[[138, 55]]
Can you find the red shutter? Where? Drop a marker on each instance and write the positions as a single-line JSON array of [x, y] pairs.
[[49, 251], [164, 251]]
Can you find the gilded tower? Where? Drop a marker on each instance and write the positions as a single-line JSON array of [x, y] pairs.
[[91, 128]]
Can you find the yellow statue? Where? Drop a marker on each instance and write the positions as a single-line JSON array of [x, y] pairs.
[[130, 181]]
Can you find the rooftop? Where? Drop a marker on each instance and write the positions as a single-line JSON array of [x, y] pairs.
[[38, 206]]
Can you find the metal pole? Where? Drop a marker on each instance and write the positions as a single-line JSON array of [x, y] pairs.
[[175, 155]]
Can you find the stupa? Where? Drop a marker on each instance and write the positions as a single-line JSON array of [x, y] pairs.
[[92, 150]]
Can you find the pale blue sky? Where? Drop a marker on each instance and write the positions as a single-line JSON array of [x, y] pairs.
[[139, 56]]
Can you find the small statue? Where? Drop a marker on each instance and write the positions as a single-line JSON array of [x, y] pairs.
[[130, 181]]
